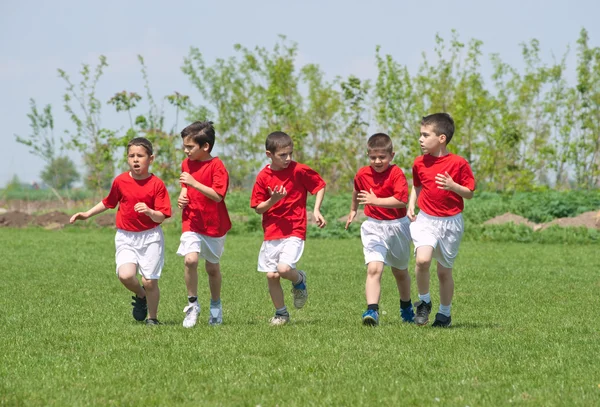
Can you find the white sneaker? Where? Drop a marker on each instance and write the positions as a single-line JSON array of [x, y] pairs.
[[300, 292], [280, 320], [191, 315], [216, 316]]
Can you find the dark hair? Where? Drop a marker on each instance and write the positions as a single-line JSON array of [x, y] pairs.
[[277, 140], [142, 142], [380, 141], [201, 133], [442, 123]]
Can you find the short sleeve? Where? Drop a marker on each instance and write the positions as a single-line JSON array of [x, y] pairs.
[[220, 179], [311, 180], [114, 196], [400, 186], [162, 203], [259, 192]]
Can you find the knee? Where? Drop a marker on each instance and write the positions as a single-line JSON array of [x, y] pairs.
[[150, 285], [212, 270], [191, 262], [374, 270], [444, 275], [422, 262], [283, 269], [272, 277]]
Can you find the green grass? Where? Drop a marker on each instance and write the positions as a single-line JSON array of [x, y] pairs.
[[525, 330]]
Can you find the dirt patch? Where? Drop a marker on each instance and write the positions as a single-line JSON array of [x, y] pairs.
[[52, 218], [590, 220], [106, 220], [15, 219]]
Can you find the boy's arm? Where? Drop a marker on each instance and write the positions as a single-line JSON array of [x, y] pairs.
[[276, 195], [445, 181], [353, 208], [98, 208], [321, 222], [412, 201], [187, 179], [156, 216], [183, 200], [369, 198]]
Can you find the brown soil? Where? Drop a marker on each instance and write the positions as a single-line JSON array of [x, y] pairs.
[[590, 220], [15, 219], [106, 220]]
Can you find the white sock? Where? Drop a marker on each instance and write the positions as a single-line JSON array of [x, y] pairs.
[[425, 298], [445, 309]]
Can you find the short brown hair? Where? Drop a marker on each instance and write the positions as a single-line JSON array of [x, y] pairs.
[[201, 133], [142, 142], [380, 141], [277, 140], [442, 123]]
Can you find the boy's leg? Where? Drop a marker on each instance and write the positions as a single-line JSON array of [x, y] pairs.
[[275, 290], [153, 297], [423, 256], [298, 279], [191, 274], [403, 282], [128, 277], [213, 270], [373, 283], [442, 318]]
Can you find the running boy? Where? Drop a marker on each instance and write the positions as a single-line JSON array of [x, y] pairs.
[[440, 182], [143, 205], [205, 220], [279, 194], [382, 188]]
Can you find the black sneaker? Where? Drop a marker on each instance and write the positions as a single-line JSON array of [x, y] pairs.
[[423, 311], [140, 308], [151, 321], [442, 321]]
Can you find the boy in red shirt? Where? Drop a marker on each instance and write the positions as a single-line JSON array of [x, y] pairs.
[[279, 194], [143, 205], [205, 220], [440, 182], [385, 235]]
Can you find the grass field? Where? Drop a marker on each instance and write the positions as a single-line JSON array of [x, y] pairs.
[[525, 330]]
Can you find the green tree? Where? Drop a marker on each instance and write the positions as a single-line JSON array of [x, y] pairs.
[[60, 173]]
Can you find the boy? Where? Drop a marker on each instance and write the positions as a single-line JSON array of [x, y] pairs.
[[279, 194], [385, 235], [143, 205], [440, 182], [205, 220]]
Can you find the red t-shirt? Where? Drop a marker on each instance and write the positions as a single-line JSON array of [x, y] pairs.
[[288, 216], [435, 201], [127, 192], [202, 214], [391, 182]]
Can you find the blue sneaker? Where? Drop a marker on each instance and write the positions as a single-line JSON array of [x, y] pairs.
[[300, 292], [407, 315], [370, 318]]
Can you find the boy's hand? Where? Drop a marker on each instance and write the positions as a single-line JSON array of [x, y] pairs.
[[183, 200], [445, 181], [351, 217], [78, 216], [410, 213], [319, 219], [187, 179], [141, 207], [277, 193], [367, 197]]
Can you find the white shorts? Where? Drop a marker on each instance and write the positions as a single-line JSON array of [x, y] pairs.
[[210, 248], [442, 233], [272, 252], [145, 249], [387, 241]]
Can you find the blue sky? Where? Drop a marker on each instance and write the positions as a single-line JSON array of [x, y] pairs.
[[38, 37]]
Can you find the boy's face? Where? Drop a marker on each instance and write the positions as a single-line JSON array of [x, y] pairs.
[[194, 151], [139, 161], [281, 158], [431, 143], [380, 159]]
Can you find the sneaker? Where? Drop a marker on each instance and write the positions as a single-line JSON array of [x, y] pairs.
[[300, 292], [279, 320], [407, 314], [152, 321], [370, 318], [140, 308], [216, 316], [191, 315], [423, 311], [442, 321]]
